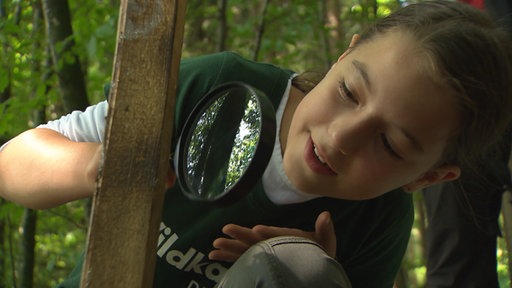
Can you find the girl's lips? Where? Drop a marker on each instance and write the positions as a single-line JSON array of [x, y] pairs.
[[313, 162]]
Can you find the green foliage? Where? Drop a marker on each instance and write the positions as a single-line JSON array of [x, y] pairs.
[[28, 84], [95, 30], [293, 30], [298, 34], [61, 234]]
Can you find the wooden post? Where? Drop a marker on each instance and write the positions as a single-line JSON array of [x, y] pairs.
[[127, 206]]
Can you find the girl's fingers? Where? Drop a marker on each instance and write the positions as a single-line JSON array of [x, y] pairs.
[[267, 232], [221, 255], [243, 234], [325, 234], [231, 245], [230, 249]]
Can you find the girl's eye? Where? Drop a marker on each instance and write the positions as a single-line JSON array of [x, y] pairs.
[[389, 147], [345, 93]]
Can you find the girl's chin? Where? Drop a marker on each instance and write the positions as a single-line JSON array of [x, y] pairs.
[[309, 188]]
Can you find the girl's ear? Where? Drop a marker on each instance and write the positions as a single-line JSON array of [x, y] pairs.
[[353, 42], [437, 175]]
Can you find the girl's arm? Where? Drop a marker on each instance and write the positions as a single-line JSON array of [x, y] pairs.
[[41, 168]]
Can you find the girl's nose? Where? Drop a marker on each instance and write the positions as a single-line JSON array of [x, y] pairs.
[[350, 132]]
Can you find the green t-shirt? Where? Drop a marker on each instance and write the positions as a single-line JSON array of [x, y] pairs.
[[372, 235]]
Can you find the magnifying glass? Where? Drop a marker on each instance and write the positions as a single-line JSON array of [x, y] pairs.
[[225, 144]]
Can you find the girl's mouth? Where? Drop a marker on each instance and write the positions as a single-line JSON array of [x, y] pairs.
[[314, 160]]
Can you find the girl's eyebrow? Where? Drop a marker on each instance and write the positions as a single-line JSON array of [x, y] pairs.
[[363, 71]]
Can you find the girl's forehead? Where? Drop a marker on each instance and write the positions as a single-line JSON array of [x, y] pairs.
[[399, 50], [390, 40]]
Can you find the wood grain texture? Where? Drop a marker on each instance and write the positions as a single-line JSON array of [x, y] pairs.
[[127, 206]]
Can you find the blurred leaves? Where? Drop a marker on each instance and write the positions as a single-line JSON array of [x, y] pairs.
[[299, 34]]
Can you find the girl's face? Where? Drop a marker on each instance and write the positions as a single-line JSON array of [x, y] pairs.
[[375, 123]]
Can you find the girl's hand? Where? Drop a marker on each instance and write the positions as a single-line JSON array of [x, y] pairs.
[[242, 238]]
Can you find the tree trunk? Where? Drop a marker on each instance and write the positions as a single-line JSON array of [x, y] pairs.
[[259, 31], [29, 220], [3, 250], [27, 248], [223, 27], [6, 92], [39, 115], [331, 31], [66, 63], [12, 260], [4, 95]]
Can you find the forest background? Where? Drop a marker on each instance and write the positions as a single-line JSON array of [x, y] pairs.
[[56, 56]]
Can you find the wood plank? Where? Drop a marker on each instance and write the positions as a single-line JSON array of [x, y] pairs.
[[127, 206]]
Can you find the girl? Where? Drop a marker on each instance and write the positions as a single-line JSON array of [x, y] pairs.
[[421, 94]]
